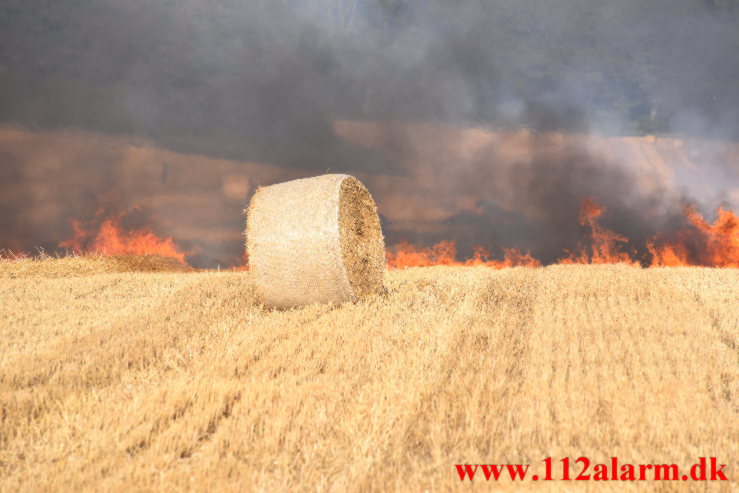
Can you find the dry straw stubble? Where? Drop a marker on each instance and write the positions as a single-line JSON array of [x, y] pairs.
[[180, 382], [314, 240]]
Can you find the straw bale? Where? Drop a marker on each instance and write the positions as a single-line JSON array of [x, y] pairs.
[[314, 240]]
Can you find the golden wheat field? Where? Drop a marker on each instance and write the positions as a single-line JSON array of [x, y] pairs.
[[113, 379]]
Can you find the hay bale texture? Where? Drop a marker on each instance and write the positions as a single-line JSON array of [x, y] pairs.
[[314, 240]]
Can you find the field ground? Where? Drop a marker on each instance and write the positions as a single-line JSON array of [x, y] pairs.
[[175, 380]]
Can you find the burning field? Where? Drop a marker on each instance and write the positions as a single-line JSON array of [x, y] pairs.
[[125, 368], [521, 242], [594, 327], [515, 199], [488, 134], [554, 295]]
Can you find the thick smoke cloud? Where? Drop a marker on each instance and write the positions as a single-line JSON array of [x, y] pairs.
[[524, 189], [265, 81]]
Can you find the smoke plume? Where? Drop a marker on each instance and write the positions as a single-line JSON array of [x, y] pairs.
[[480, 122]]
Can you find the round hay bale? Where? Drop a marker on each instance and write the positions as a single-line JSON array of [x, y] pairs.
[[314, 240]]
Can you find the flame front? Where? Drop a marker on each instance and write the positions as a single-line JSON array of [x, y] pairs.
[[110, 238], [445, 253], [604, 245], [407, 255], [701, 244], [712, 245]]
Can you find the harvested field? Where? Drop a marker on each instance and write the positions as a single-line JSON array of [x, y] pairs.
[[176, 381]]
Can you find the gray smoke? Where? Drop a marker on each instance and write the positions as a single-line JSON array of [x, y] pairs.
[[265, 80]]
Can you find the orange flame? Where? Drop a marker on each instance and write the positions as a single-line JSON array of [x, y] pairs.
[[511, 258], [407, 255], [111, 238], [445, 253], [604, 247], [701, 244], [714, 245]]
